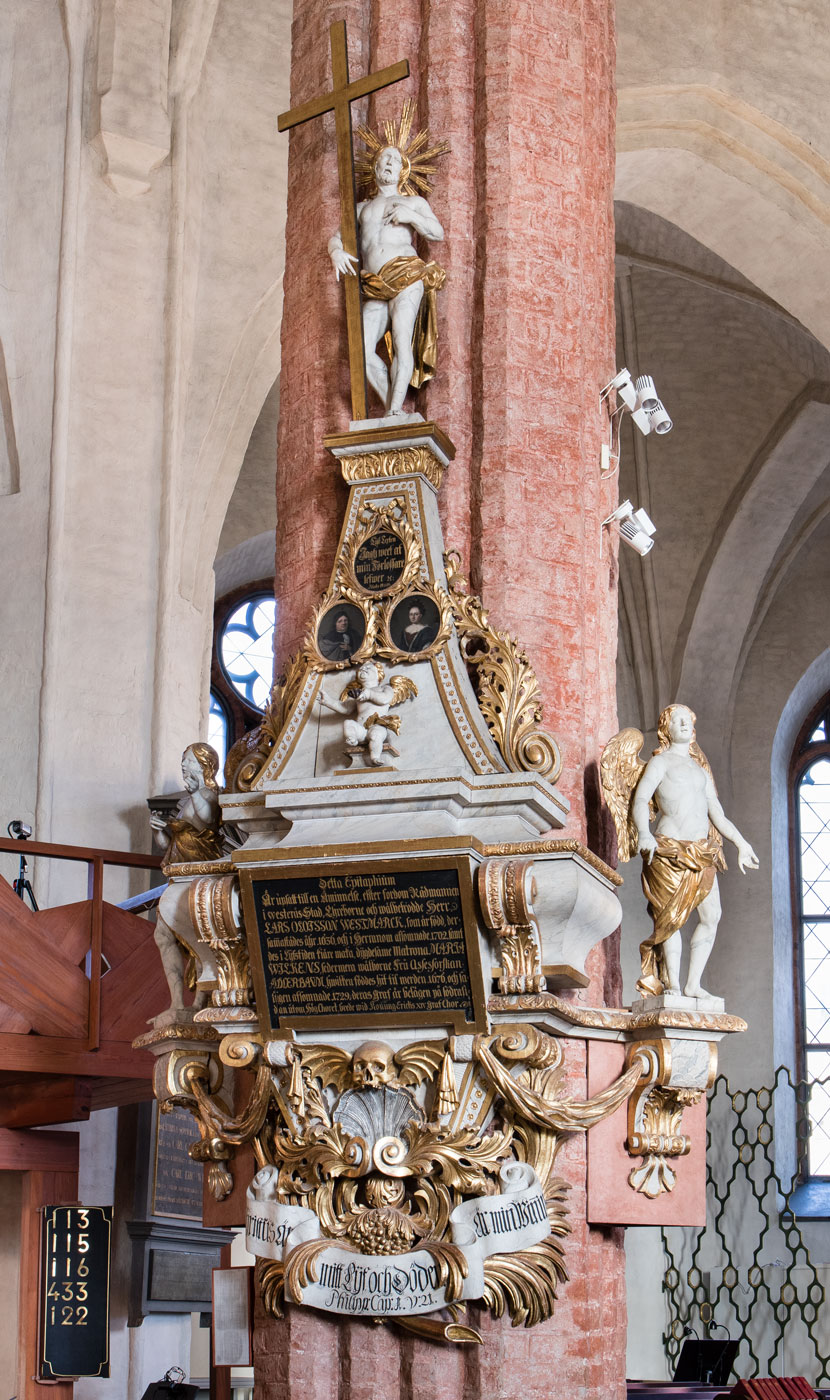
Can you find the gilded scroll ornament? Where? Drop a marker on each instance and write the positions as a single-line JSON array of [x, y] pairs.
[[655, 1110], [654, 1134], [359, 1159], [214, 913], [249, 755], [505, 683]]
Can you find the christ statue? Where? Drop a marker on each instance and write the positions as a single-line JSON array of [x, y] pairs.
[[398, 287]]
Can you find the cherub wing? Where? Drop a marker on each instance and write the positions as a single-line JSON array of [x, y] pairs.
[[620, 772], [404, 689], [350, 691], [327, 1063], [419, 1062]]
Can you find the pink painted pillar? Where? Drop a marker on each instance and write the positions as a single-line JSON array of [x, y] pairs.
[[524, 94]]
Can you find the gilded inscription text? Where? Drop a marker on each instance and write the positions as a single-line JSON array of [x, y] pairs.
[[363, 944]]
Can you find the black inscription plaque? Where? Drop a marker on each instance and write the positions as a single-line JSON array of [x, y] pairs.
[[360, 945], [177, 1179], [181, 1273], [75, 1291], [380, 561]]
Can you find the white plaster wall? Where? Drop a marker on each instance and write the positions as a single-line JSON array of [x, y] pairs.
[[647, 1313], [733, 511], [252, 509], [723, 129], [140, 332], [10, 1190], [791, 637], [33, 84], [141, 338]]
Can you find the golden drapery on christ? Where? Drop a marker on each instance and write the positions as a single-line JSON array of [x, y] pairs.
[[385, 285], [675, 882]]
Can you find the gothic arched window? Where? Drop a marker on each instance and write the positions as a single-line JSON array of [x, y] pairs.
[[810, 796], [243, 660]]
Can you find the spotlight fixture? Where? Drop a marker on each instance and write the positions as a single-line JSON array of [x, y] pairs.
[[652, 420], [641, 400], [635, 527], [622, 382]]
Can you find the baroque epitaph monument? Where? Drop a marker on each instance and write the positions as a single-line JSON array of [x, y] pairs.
[[391, 960]]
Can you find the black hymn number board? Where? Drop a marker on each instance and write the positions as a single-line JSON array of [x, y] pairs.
[[75, 1289]]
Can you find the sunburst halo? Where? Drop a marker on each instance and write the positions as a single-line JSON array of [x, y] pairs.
[[417, 155]]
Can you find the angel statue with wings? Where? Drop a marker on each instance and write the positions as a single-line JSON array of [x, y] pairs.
[[683, 855], [371, 700]]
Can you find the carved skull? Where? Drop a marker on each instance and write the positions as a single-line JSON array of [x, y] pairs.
[[373, 1065]]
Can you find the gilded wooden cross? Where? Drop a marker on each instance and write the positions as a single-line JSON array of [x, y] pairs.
[[339, 101]]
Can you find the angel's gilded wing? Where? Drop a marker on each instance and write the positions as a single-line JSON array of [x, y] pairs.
[[404, 689], [620, 771], [327, 1063], [420, 1061]]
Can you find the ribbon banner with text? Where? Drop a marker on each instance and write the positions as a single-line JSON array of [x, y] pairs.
[[372, 1285]]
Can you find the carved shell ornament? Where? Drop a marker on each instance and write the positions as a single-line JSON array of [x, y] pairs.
[[373, 1114]]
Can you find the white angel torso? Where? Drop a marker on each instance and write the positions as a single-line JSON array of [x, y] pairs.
[[681, 796], [679, 786]]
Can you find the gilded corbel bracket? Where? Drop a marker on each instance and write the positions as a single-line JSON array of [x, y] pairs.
[[655, 1109], [214, 906], [506, 890], [191, 1079]]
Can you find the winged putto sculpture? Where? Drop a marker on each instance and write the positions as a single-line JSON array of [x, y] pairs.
[[683, 855], [366, 701]]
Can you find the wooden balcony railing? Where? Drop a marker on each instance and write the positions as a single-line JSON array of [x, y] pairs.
[[95, 860]]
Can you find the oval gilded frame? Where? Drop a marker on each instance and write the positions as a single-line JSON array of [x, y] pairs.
[[383, 520], [327, 604], [388, 647]]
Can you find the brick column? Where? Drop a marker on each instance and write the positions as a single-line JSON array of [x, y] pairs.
[[524, 94]]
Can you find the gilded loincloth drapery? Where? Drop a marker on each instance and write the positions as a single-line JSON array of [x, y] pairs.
[[677, 880], [393, 277], [189, 844]]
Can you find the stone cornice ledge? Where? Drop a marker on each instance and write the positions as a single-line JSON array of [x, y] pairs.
[[567, 845], [615, 1018]]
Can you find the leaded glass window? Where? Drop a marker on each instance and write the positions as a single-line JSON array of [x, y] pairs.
[[218, 728], [811, 803], [246, 649]]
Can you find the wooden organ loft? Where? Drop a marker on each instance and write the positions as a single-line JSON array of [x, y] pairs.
[[78, 983]]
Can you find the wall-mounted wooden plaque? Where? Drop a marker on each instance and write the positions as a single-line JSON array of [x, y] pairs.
[[365, 943], [75, 1292]]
